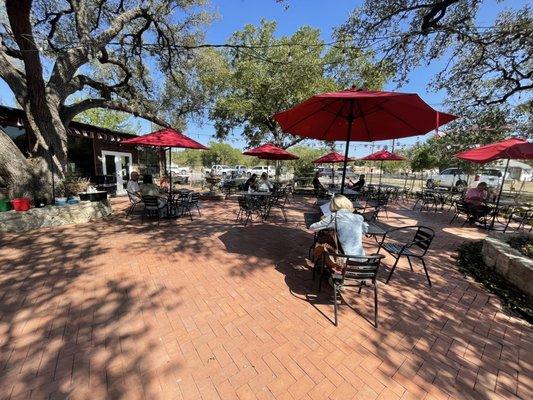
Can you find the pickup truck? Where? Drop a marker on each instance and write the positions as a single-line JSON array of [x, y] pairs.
[[219, 169], [449, 178], [180, 170]]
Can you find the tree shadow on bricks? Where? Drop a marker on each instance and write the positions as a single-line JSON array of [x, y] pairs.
[[68, 330]]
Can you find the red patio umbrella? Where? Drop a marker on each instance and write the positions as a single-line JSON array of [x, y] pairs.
[[383, 155], [166, 137], [269, 151], [361, 115], [331, 158], [512, 148]]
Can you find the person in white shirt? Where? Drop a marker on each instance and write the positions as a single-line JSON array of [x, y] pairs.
[[133, 187], [264, 185]]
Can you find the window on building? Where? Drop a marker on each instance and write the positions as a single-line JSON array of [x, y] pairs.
[[19, 136]]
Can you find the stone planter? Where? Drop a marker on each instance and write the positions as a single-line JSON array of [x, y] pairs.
[[35, 218], [509, 262]]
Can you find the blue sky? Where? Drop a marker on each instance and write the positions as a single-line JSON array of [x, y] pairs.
[[325, 15]]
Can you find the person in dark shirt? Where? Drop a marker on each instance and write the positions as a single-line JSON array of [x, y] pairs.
[[357, 186], [316, 182], [251, 182]]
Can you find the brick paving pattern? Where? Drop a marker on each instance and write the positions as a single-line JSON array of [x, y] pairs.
[[208, 309]]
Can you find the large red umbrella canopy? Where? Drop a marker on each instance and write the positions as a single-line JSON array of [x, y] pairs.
[[373, 115], [361, 115], [331, 158], [513, 148], [270, 152], [166, 137], [383, 155]]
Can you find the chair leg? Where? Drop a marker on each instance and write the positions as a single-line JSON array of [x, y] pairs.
[[335, 304], [130, 210], [425, 270], [410, 265], [393, 268], [142, 216], [376, 303], [198, 208], [284, 214]]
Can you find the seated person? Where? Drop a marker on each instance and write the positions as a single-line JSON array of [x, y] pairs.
[[349, 227], [357, 186], [316, 182], [251, 182], [133, 188], [476, 198], [264, 185], [164, 183], [150, 189]]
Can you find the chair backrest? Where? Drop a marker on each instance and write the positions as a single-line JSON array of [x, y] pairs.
[[363, 267], [243, 204], [150, 201], [195, 197], [423, 238], [133, 198], [462, 207]]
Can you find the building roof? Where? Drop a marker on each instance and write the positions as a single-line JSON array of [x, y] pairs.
[[16, 117]]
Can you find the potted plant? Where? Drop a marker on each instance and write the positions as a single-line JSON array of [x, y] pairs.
[[5, 204]]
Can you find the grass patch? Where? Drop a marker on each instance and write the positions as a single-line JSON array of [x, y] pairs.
[[523, 244], [471, 263]]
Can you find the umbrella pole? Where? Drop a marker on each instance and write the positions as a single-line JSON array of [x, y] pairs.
[[499, 194], [332, 175], [380, 172], [348, 138]]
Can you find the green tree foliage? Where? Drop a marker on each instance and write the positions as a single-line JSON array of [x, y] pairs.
[[109, 119], [265, 74], [304, 166], [222, 153], [188, 157], [483, 65]]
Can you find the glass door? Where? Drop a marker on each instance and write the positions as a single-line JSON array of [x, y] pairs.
[[118, 165]]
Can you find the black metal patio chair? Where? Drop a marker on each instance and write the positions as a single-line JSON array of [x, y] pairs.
[[278, 199], [194, 202], [246, 209], [417, 247], [465, 209], [359, 271], [152, 208], [134, 201]]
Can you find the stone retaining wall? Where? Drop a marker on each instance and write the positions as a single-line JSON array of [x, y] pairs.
[[509, 262], [36, 218]]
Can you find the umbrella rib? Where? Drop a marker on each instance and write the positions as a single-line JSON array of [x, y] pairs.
[[337, 115], [404, 122], [364, 122], [309, 115]]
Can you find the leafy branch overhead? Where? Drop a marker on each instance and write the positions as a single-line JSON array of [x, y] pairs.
[[264, 74], [62, 58], [484, 65]]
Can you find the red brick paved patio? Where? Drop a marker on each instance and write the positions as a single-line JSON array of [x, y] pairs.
[[209, 309]]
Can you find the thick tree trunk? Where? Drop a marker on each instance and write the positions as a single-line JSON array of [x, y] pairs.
[[50, 134], [21, 176]]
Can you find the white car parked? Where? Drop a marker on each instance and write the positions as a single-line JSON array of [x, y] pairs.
[[259, 169], [180, 170], [220, 169], [492, 176], [240, 170], [450, 177]]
